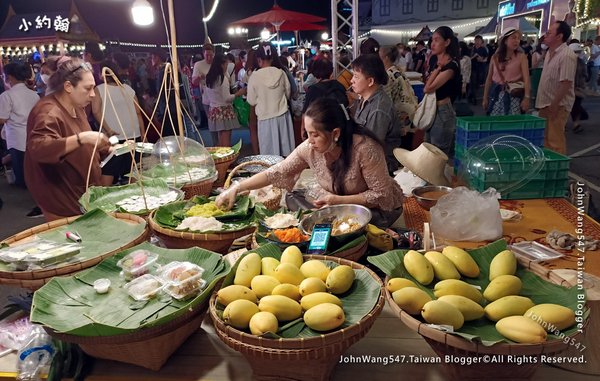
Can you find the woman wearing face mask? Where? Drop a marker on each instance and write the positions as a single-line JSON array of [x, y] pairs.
[[444, 81], [507, 66], [538, 55], [269, 90], [348, 161], [15, 106], [47, 69], [61, 144], [221, 116]]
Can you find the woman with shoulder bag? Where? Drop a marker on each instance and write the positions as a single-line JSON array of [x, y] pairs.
[[507, 86]]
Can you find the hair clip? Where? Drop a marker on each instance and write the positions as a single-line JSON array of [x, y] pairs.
[[345, 111], [267, 49]]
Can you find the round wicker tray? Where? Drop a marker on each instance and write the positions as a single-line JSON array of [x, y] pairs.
[[222, 164], [200, 188], [447, 344], [35, 279], [149, 348], [297, 359], [217, 242]]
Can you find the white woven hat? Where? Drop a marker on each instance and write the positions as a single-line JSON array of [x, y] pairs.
[[427, 161]]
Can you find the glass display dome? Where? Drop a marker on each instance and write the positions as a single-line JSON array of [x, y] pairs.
[[180, 161], [504, 162]]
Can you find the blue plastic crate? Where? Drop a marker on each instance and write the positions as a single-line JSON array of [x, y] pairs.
[[419, 89]]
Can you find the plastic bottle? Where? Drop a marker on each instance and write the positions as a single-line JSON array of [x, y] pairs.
[[35, 355]]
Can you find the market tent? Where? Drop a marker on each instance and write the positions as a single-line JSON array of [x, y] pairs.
[[424, 35], [490, 29], [34, 30]]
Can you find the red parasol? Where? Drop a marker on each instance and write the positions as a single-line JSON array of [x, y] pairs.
[[291, 26], [278, 15]]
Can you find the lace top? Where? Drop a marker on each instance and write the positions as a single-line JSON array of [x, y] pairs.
[[367, 174]]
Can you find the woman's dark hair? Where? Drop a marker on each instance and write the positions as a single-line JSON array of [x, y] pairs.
[[327, 114], [252, 61], [242, 54], [322, 69], [93, 48], [20, 71], [371, 66], [391, 52], [230, 57], [448, 34], [122, 60], [503, 49], [215, 75], [369, 46], [69, 69]]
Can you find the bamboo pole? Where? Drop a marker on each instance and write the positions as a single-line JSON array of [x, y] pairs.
[[175, 61]]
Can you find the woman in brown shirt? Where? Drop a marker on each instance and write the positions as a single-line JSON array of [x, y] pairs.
[[349, 163], [60, 142]]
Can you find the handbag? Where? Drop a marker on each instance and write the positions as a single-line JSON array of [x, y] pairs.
[[425, 114]]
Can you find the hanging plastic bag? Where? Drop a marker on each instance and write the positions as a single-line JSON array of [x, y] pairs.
[[36, 354], [467, 215], [242, 110]]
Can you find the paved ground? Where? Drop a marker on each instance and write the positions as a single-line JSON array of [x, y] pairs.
[[583, 147]]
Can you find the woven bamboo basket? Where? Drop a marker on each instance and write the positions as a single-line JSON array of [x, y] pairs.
[[274, 202], [217, 242], [297, 359], [149, 348], [34, 279], [445, 344], [222, 164], [199, 188]]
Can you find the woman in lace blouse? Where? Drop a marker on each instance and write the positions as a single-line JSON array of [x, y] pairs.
[[349, 163]]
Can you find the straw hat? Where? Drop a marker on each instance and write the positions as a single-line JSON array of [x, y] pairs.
[[427, 161]]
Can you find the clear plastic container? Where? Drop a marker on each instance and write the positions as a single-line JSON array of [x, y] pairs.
[[137, 263], [535, 251], [183, 279], [38, 253], [145, 287]]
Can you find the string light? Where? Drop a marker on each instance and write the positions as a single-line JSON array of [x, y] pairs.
[[416, 31]]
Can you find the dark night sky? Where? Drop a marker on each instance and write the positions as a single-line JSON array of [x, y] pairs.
[[112, 20]]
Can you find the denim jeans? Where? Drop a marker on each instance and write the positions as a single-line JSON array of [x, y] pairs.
[[17, 158], [441, 133]]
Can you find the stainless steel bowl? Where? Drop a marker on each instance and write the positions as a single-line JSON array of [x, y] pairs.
[[330, 213], [427, 202]]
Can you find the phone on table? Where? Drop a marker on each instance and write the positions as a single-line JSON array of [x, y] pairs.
[[319, 239]]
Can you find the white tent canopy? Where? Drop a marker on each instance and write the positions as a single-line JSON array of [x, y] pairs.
[[393, 34]]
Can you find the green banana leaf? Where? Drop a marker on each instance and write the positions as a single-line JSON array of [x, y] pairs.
[[70, 304], [239, 217], [483, 330], [99, 232], [106, 198], [357, 302]]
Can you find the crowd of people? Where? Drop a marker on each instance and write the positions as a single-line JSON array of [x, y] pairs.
[[59, 115]]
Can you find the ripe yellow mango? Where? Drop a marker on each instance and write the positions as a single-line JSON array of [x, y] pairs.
[[263, 285], [269, 264], [288, 273], [292, 255], [395, 284], [340, 279], [521, 329], [464, 263], [443, 268], [457, 287], [312, 285], [282, 307], [504, 263], [418, 267], [315, 268], [501, 286], [263, 322], [324, 317], [438, 312], [551, 316], [289, 290], [309, 301], [469, 309], [411, 299], [512, 305], [248, 268], [228, 294], [239, 312]]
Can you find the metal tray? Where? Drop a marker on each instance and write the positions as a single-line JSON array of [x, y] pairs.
[[535, 251]]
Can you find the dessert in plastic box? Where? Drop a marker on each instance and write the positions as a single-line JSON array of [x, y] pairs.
[[38, 253], [145, 287], [183, 279], [137, 263]]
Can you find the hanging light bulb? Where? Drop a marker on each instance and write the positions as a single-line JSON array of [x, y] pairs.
[[265, 34], [142, 13]]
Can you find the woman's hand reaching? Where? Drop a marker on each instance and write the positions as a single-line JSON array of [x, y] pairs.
[[226, 199]]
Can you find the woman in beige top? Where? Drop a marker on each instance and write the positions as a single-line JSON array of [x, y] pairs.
[[349, 163]]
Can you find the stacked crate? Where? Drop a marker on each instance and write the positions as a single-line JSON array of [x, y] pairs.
[[552, 179]]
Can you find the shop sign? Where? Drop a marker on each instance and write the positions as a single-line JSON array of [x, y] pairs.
[[60, 24], [506, 9], [536, 3]]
